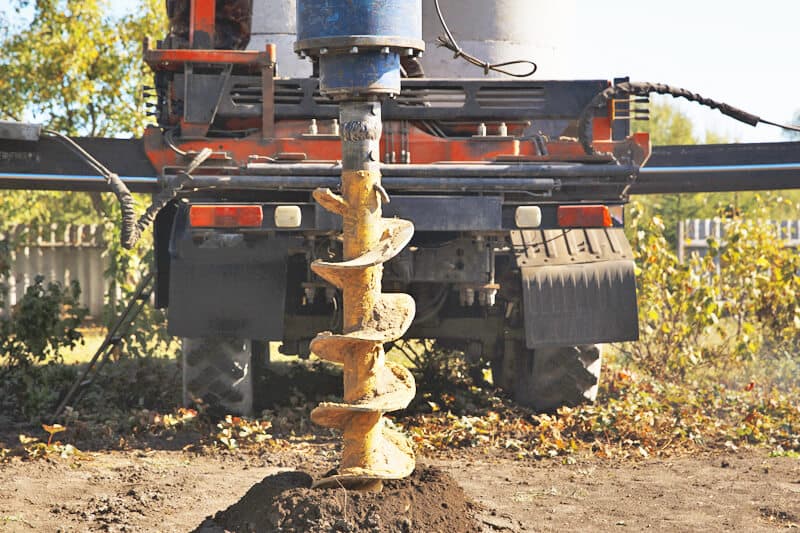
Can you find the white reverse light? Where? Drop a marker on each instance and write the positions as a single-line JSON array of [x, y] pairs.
[[528, 216], [288, 216]]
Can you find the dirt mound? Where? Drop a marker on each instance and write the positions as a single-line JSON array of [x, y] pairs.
[[427, 501]]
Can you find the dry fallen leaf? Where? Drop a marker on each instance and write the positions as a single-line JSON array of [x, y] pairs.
[[52, 430]]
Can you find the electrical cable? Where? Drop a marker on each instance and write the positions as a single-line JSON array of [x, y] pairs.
[[788, 127], [628, 89], [449, 42], [132, 229]]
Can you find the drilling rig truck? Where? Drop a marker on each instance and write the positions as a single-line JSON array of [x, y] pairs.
[[386, 189]]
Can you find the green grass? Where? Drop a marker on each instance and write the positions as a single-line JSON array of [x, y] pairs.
[[93, 337], [82, 353]]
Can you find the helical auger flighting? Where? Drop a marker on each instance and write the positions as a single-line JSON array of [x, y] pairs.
[[372, 451]]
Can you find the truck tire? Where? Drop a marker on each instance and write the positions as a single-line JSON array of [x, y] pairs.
[[218, 375], [503, 372], [548, 378]]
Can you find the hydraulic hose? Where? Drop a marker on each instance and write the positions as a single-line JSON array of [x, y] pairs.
[[628, 89], [131, 229], [164, 197]]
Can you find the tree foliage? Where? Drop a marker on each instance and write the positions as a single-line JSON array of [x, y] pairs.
[[77, 68], [667, 125]]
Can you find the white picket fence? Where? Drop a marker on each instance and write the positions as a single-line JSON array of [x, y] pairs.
[[62, 254], [693, 234]]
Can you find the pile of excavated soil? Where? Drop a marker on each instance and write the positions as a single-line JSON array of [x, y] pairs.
[[427, 501]]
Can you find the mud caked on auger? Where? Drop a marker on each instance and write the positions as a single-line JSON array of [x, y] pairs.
[[359, 44]]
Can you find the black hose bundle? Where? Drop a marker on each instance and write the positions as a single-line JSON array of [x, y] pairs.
[[160, 200], [130, 234], [628, 89], [131, 229]]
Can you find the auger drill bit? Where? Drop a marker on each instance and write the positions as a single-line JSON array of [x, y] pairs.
[[372, 451], [358, 45]]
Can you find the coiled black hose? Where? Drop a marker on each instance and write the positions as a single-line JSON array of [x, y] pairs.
[[161, 199], [131, 229], [628, 89]]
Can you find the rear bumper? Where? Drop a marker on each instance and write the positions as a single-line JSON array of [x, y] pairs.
[[429, 213]]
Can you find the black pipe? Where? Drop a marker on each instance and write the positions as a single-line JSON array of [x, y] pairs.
[[448, 170], [433, 184], [720, 178], [651, 180], [73, 182]]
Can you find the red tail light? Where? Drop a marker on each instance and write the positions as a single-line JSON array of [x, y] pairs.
[[584, 216], [226, 216]]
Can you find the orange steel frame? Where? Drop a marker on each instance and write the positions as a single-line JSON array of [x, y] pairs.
[[203, 16], [289, 140]]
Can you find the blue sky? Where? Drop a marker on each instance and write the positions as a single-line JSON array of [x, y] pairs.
[[741, 52]]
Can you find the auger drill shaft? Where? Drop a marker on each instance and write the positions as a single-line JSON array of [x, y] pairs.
[[361, 224]]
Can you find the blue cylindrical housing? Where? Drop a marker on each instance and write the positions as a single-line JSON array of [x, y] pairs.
[[359, 42], [349, 18], [368, 72]]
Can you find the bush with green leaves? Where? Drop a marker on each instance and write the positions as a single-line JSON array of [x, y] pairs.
[[39, 327], [738, 303], [44, 322]]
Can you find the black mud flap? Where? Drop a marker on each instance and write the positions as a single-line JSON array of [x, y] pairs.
[[578, 286], [228, 285]]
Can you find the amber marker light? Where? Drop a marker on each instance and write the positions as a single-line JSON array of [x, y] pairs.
[[584, 216], [226, 216]]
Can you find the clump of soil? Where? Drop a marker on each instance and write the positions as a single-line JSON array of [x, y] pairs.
[[429, 500]]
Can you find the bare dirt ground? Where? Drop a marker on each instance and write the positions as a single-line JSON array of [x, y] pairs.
[[175, 491]]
